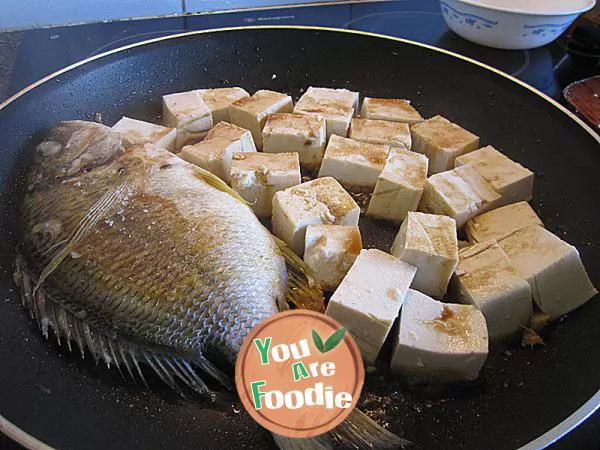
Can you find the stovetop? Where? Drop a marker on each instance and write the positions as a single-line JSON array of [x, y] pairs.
[[27, 56], [36, 53]]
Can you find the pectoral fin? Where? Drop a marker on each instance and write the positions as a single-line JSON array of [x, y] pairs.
[[122, 191]]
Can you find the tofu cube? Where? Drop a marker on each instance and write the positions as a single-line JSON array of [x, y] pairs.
[[500, 222], [134, 132], [395, 134], [439, 340], [510, 179], [553, 269], [301, 133], [399, 186], [251, 112], [215, 152], [330, 251], [442, 142], [486, 279], [233, 133], [356, 165], [428, 242], [258, 176], [337, 106], [460, 193], [187, 112], [219, 99], [391, 109], [369, 298], [318, 202]]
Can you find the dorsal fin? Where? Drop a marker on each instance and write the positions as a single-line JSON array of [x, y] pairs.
[[214, 181], [302, 290], [171, 368]]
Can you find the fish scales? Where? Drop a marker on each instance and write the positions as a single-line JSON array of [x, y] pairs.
[[178, 264], [138, 256]]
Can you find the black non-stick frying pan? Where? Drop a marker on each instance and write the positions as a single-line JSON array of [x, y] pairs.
[[67, 402]]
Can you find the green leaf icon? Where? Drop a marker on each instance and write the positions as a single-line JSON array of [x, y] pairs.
[[334, 340], [318, 341], [331, 342]]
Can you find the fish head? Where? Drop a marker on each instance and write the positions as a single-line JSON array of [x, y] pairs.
[[74, 147]]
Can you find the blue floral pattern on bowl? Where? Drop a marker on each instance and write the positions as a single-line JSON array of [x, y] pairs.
[[468, 19], [545, 28]]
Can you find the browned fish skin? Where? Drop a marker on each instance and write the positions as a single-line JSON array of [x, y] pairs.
[[177, 263]]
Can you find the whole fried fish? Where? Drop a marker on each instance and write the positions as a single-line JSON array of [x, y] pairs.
[[139, 256]]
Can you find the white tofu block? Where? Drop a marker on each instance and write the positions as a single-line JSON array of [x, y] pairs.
[[391, 109], [330, 251], [395, 134], [187, 112], [510, 179], [219, 99], [251, 112], [499, 222], [134, 132], [318, 202], [369, 298], [486, 279], [214, 153], [258, 176], [301, 133], [354, 164], [337, 106], [399, 186], [428, 242], [460, 193], [233, 133], [552, 267], [442, 142], [439, 340]]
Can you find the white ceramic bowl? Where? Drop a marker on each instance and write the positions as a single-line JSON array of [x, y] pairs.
[[512, 24]]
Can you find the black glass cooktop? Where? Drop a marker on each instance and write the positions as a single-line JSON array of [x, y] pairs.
[[42, 51], [27, 56]]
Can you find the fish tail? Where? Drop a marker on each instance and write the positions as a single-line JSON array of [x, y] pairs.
[[302, 291], [314, 443], [358, 431]]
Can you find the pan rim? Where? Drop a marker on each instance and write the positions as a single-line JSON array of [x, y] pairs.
[[546, 439], [532, 89]]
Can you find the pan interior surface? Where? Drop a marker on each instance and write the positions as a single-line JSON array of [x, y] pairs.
[[68, 402]]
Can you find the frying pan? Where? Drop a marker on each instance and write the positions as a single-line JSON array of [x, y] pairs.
[[53, 395]]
